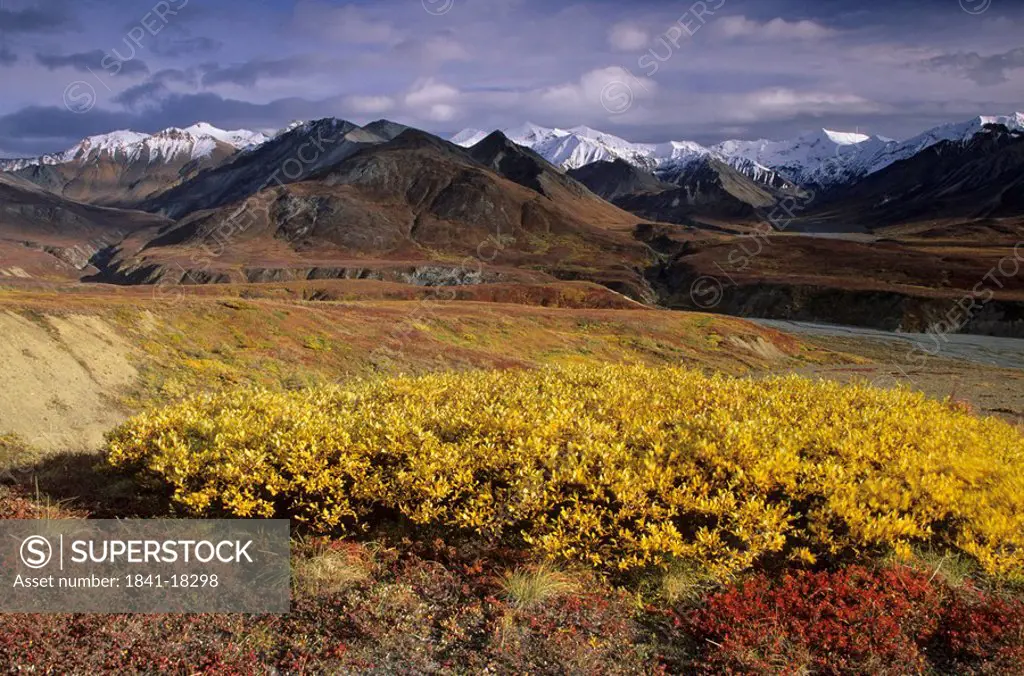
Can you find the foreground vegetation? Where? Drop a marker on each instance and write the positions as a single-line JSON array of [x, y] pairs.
[[430, 607], [616, 467], [575, 519]]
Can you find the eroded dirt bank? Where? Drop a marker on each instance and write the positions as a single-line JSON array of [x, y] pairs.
[[59, 378]]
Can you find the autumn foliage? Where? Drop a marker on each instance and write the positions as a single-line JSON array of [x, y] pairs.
[[619, 467], [856, 620]]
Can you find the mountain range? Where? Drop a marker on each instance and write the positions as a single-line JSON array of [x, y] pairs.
[[328, 199], [104, 169], [822, 158], [195, 142], [332, 199]]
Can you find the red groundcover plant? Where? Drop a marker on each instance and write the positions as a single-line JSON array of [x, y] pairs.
[[857, 620]]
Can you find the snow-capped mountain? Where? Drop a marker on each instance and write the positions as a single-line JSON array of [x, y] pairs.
[[530, 134], [762, 161], [958, 131], [467, 138], [123, 168], [679, 152], [291, 126], [829, 158], [239, 138], [580, 146], [821, 158], [192, 143], [577, 147]]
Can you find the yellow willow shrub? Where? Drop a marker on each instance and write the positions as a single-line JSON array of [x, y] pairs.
[[618, 466]]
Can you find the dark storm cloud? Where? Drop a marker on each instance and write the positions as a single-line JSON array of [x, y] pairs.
[[248, 74], [51, 121], [233, 113], [147, 92], [150, 93], [92, 62], [985, 70], [51, 20], [7, 57], [36, 129]]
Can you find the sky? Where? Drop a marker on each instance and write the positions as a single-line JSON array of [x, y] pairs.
[[647, 70]]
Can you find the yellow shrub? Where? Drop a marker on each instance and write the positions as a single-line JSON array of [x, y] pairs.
[[617, 466]]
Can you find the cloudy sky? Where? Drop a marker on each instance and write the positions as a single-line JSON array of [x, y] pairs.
[[648, 70]]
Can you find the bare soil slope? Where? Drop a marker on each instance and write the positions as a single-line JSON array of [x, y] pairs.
[[60, 378]]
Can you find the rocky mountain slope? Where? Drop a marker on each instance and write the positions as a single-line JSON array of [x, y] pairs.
[[618, 178], [525, 167], [289, 157], [707, 189], [415, 208]]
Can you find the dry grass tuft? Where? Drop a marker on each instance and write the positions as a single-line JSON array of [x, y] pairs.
[[532, 587], [16, 453], [686, 584], [331, 571], [955, 569]]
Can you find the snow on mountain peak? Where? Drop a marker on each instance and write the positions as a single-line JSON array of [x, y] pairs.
[[843, 138], [569, 148], [115, 140], [291, 126], [1013, 122], [531, 134], [325, 124], [238, 138], [467, 138], [957, 132], [822, 157], [679, 150], [197, 141], [588, 132]]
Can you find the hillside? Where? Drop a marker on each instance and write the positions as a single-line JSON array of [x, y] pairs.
[[618, 178], [101, 352], [276, 162], [975, 179], [915, 286], [707, 188], [416, 204], [49, 236]]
